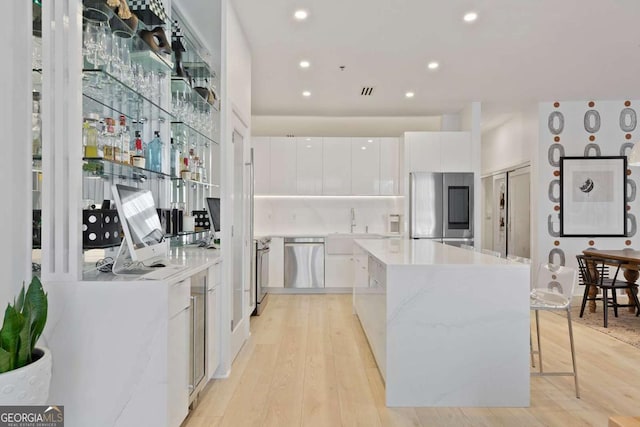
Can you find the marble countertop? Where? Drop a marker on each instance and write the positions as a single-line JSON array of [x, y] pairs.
[[192, 257], [405, 251], [334, 233]]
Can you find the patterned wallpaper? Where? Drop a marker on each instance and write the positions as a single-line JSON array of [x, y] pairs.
[[589, 129]]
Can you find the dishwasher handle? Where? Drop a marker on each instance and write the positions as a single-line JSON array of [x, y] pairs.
[[289, 240]]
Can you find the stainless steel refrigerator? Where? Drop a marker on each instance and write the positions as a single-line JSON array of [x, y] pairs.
[[441, 207]]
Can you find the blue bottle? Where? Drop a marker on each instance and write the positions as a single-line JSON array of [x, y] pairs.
[[154, 149]]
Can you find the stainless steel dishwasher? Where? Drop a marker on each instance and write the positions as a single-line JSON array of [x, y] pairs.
[[304, 262]]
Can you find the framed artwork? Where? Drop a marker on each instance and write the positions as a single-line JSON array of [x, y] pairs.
[[593, 194]]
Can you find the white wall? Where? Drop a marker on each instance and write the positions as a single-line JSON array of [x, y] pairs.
[[342, 126], [323, 215], [509, 144], [15, 163]]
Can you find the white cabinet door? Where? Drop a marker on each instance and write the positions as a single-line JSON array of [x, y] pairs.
[[338, 271], [422, 152], [276, 263], [309, 165], [178, 368], [262, 163], [283, 166], [213, 319], [455, 148], [336, 166], [365, 166], [389, 163]]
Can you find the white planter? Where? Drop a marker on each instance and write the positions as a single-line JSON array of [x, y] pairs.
[[28, 385]]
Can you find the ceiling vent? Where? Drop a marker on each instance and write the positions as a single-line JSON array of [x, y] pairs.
[[290, 135], [367, 91]]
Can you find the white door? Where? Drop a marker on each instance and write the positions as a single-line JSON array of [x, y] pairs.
[[519, 215], [309, 166], [240, 241], [336, 166], [365, 166]]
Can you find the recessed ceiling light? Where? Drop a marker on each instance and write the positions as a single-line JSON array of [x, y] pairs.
[[308, 145], [308, 139], [409, 94], [306, 93], [304, 64], [363, 148], [433, 65], [369, 140], [470, 16], [301, 15]]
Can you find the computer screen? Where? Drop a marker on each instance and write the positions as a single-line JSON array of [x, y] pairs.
[[213, 206], [140, 222]]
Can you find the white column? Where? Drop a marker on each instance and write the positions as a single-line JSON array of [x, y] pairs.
[[62, 140], [15, 161]]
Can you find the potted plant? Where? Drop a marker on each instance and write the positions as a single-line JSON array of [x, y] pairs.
[[25, 371]]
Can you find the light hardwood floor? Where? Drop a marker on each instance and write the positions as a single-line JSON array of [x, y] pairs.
[[308, 363]]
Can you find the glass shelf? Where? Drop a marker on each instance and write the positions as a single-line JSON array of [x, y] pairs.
[[107, 91], [178, 180], [104, 168], [180, 85], [97, 12], [183, 129]]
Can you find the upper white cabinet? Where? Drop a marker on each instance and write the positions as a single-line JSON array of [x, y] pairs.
[[438, 151], [336, 166], [422, 151], [282, 166], [365, 166], [389, 166], [309, 166], [456, 151], [332, 166], [262, 163]]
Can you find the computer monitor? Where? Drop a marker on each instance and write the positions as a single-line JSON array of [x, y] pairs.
[[213, 207], [143, 237]]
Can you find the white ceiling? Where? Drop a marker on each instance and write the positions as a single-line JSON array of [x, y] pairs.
[[517, 52]]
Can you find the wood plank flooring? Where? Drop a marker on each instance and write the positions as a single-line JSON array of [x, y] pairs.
[[308, 363]]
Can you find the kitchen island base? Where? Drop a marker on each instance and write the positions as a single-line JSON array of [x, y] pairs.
[[448, 327]]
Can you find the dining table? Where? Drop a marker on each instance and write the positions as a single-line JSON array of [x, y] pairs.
[[630, 270]]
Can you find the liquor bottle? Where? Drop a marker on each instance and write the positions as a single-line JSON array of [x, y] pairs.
[[154, 153], [175, 159], [90, 136], [185, 173], [125, 137], [138, 156], [108, 137]]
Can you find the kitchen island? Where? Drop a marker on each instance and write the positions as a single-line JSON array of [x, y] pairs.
[[447, 326]]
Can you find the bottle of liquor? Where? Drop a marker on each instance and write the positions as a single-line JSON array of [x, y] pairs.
[[154, 152], [185, 173], [90, 136], [138, 156], [125, 137], [109, 137], [175, 159]]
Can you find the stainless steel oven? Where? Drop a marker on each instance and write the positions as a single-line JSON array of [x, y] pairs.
[[261, 276]]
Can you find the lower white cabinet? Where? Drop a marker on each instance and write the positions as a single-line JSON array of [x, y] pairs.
[[213, 320], [276, 263], [178, 353], [360, 270], [338, 271]]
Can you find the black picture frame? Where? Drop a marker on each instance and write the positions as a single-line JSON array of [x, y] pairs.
[[593, 196]]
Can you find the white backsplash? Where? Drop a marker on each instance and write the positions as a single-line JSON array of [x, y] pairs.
[[323, 215]]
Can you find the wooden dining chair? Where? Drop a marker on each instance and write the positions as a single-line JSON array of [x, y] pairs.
[[594, 273]]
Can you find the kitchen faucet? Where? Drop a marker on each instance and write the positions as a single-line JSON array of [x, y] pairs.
[[353, 219]]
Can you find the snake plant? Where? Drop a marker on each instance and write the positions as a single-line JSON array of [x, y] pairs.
[[23, 324]]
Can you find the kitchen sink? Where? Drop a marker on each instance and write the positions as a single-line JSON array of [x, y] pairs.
[[342, 244]]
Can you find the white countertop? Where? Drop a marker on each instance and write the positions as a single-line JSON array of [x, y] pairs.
[[193, 257], [334, 233], [405, 251]]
